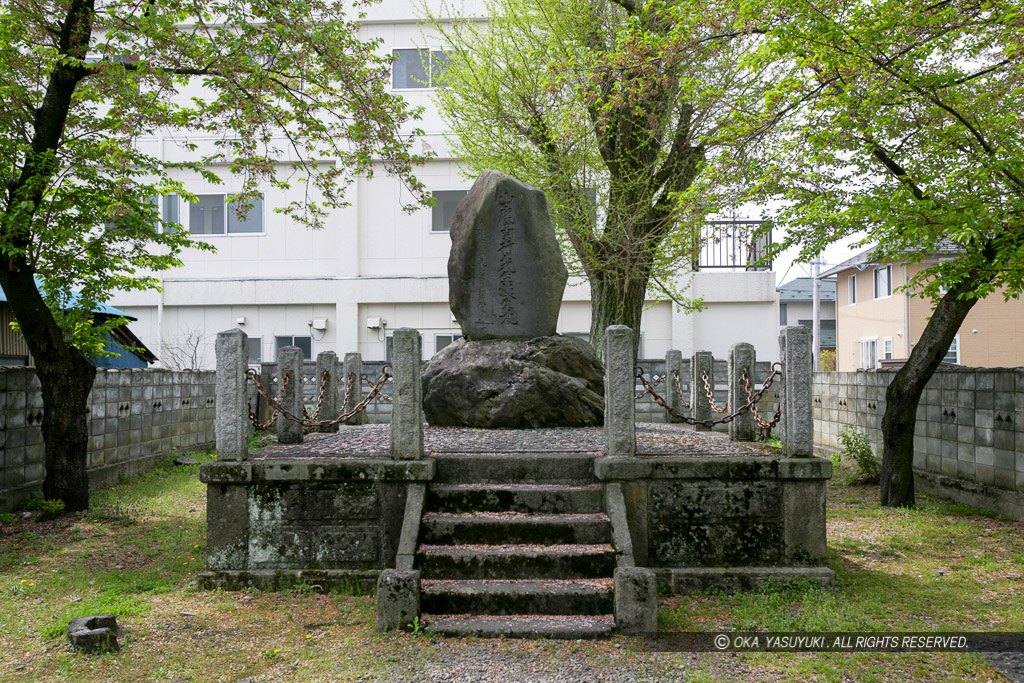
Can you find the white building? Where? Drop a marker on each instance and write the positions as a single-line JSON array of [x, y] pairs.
[[374, 269]]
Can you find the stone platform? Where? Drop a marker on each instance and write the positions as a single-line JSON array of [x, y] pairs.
[[698, 510], [651, 439]]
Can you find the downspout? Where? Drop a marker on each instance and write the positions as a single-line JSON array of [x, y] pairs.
[[906, 315]]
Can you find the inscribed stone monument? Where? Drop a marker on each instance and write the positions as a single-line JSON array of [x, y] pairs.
[[505, 280], [505, 272]]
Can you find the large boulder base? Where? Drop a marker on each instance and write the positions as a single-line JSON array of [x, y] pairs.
[[505, 270], [552, 381]]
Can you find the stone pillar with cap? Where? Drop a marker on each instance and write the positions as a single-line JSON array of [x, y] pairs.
[[741, 360], [673, 369], [231, 421], [796, 351], [702, 363], [289, 372], [353, 368], [327, 386], [407, 397], [619, 392]]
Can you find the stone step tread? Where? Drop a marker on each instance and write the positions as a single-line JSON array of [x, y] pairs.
[[522, 596], [488, 586], [565, 627], [518, 548], [515, 487], [517, 517], [502, 498]]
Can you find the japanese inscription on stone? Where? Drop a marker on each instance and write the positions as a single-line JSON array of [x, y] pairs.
[[505, 272]]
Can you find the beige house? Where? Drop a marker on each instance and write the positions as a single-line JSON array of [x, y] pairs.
[[875, 322]]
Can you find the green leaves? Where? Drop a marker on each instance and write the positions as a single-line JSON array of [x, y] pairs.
[[292, 97]]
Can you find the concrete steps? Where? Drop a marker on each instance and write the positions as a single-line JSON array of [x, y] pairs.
[[516, 528], [515, 561], [574, 627], [518, 597], [543, 498], [514, 468], [516, 545]]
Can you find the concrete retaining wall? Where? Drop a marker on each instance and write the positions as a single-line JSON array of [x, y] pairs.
[[969, 439], [135, 417]]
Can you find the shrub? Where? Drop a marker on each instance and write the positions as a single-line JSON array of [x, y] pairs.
[[828, 360], [857, 447]]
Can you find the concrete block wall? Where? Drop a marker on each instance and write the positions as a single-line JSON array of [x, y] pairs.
[[649, 411], [969, 425], [135, 417], [379, 409]]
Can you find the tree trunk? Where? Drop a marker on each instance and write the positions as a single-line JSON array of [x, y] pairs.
[[66, 385], [615, 301], [66, 378], [904, 394]]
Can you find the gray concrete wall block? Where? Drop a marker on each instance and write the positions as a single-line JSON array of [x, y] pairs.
[[619, 388]]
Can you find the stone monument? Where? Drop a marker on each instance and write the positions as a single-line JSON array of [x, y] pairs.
[[505, 279]]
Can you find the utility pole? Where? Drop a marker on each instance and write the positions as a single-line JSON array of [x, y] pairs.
[[816, 303]]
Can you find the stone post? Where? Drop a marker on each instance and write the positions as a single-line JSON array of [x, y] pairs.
[[353, 366], [619, 392], [407, 397], [327, 362], [232, 411], [673, 366], [797, 372], [289, 369], [700, 409], [741, 357]]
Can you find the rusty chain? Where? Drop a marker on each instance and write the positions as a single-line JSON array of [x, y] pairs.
[[264, 426], [679, 390], [752, 400], [766, 427], [711, 396], [315, 415], [385, 375], [381, 395], [656, 382]]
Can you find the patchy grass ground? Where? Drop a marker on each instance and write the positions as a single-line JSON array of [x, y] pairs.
[[937, 568]]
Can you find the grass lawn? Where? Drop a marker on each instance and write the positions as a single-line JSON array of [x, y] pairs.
[[939, 567]]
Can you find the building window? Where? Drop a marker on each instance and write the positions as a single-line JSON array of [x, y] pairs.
[[852, 286], [212, 213], [256, 350], [443, 211], [418, 68], [304, 343], [171, 213], [887, 348], [868, 354], [883, 282], [443, 340], [782, 314], [953, 355]]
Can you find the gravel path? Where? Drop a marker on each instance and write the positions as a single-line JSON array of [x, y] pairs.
[[374, 441], [509, 661]]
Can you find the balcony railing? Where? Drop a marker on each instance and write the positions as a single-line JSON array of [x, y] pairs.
[[738, 245]]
